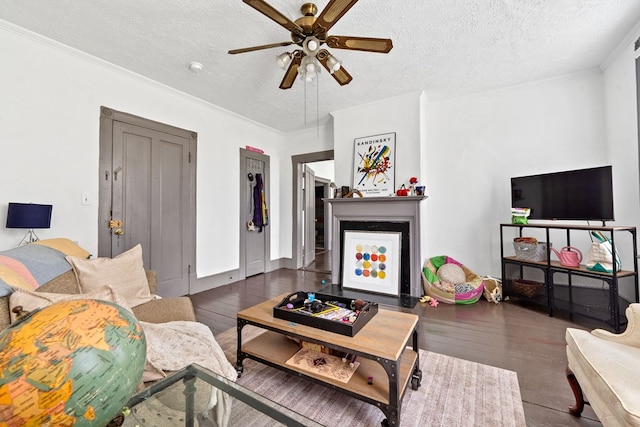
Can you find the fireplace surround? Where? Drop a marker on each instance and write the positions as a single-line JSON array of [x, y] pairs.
[[399, 214]]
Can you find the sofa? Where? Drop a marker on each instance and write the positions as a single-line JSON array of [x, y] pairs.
[[45, 272], [50, 260], [154, 311], [603, 371]]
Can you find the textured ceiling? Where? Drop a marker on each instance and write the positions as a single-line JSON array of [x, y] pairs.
[[445, 48]]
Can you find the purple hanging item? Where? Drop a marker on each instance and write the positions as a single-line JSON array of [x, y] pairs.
[[257, 203]]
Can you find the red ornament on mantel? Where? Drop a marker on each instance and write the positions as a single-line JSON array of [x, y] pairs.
[[402, 191]]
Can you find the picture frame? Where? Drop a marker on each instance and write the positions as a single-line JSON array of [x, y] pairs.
[[374, 160], [371, 261]]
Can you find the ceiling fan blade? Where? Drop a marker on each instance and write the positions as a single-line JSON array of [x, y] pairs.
[[341, 75], [273, 14], [332, 12], [264, 46], [366, 44], [292, 72]]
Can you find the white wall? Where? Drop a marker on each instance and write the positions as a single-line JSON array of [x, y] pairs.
[[49, 124], [305, 141], [324, 169], [400, 115], [476, 144], [465, 151], [621, 117]]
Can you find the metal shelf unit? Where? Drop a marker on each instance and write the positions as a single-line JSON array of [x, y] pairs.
[[575, 290]]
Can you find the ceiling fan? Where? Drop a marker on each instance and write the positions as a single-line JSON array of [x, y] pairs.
[[310, 33]]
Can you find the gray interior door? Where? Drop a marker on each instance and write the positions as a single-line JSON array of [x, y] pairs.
[[309, 192], [151, 197], [254, 235]]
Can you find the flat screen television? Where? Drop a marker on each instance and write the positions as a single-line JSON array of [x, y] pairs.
[[583, 194]]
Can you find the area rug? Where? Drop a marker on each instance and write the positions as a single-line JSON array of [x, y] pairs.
[[454, 392]]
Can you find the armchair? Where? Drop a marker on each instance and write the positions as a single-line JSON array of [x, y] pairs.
[[603, 371]]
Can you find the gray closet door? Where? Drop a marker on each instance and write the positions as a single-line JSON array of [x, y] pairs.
[[151, 197]]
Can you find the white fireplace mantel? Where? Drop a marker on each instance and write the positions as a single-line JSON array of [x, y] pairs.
[[379, 209]]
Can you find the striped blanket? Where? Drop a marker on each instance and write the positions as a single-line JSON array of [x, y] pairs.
[[33, 265]]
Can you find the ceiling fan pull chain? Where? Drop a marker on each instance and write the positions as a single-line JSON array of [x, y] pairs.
[[305, 102]]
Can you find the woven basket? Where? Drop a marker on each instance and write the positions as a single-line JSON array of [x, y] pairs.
[[527, 288], [535, 252]]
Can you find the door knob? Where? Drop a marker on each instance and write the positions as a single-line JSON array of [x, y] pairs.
[[118, 231]]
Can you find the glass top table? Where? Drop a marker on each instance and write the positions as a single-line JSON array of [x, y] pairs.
[[181, 398]]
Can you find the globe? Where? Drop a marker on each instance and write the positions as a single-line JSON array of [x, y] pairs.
[[73, 363]]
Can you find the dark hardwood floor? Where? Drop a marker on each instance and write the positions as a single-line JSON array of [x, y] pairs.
[[321, 263], [507, 335]]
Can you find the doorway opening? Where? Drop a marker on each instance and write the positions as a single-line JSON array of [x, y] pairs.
[[306, 252], [322, 192], [321, 221]]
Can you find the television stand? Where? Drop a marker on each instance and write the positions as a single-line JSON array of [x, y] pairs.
[[574, 290]]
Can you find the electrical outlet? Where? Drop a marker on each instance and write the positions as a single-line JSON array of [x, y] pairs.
[[85, 199]]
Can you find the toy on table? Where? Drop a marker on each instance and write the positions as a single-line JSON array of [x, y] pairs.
[[350, 358]]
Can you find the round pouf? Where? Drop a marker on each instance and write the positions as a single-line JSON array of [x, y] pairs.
[[452, 273], [73, 363]]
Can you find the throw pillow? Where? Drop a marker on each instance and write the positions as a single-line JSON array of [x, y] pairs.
[[451, 273], [124, 273], [31, 301], [464, 288]]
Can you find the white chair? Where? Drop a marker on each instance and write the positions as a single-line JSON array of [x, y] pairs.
[[603, 371]]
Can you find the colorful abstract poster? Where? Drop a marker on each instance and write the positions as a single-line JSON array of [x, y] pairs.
[[374, 165], [371, 261]]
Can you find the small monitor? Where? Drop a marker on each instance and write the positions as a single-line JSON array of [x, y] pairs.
[[29, 215]]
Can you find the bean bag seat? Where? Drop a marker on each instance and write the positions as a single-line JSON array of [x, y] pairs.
[[447, 280]]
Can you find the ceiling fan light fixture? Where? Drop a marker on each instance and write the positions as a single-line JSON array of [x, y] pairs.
[[309, 68], [311, 45], [333, 63], [283, 59]]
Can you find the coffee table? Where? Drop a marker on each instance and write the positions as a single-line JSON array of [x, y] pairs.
[[387, 349], [176, 400]]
